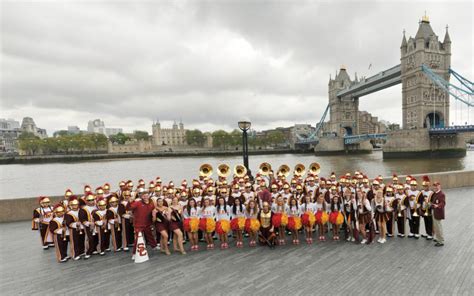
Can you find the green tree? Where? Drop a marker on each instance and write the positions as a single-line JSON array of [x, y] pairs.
[[275, 137], [141, 135], [119, 138], [236, 138], [221, 139], [195, 137]]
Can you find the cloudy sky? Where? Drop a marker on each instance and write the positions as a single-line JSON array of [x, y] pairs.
[[209, 63]]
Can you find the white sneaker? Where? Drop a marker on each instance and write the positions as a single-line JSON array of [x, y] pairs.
[[133, 257], [379, 240], [348, 239], [125, 249], [77, 258], [363, 241], [382, 241], [353, 239]]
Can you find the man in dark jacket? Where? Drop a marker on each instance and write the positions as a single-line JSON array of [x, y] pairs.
[[438, 202]]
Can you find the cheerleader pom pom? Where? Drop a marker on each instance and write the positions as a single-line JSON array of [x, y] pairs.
[[340, 219], [284, 220], [308, 219], [333, 217], [298, 223], [318, 217], [276, 220], [324, 218], [234, 224], [222, 227], [210, 225], [194, 224], [252, 225], [291, 223], [241, 223], [202, 224], [186, 225]]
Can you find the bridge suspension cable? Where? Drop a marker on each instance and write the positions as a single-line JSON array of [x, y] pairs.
[[313, 137]]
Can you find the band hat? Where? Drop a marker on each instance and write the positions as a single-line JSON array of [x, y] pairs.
[[58, 208], [43, 199], [106, 186], [68, 192]]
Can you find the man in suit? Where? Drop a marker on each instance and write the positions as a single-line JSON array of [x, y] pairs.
[[438, 202]]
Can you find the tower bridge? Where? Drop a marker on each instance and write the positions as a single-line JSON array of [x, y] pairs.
[[424, 72]]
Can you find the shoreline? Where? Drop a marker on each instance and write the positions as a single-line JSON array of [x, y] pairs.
[[20, 209], [38, 159]]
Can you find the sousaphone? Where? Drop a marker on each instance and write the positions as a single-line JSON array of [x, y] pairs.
[[314, 168], [240, 171], [265, 169], [205, 170]]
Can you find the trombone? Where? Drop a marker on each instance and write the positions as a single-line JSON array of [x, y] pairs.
[[300, 170], [223, 170], [205, 170], [265, 169], [284, 170], [314, 168], [240, 171]]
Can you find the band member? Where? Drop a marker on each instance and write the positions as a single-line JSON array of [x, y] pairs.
[[427, 194], [102, 226], [438, 203], [235, 194], [86, 219], [307, 209], [351, 215], [223, 212], [161, 216], [365, 216], [207, 223], [115, 221], [321, 215], [414, 197], [389, 204], [400, 204], [76, 229], [267, 231], [127, 221], [248, 194], [381, 216], [65, 201], [191, 215], [58, 228], [294, 217], [176, 212], [238, 221], [252, 224], [142, 220], [280, 218], [335, 217], [41, 218]]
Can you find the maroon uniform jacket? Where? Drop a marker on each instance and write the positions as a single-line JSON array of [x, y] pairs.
[[438, 198], [141, 213], [265, 196]]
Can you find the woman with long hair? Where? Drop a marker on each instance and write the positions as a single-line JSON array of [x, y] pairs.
[[191, 214], [321, 215], [308, 219], [335, 217], [364, 212], [223, 212], [161, 217], [252, 224], [280, 218], [207, 223], [238, 221], [381, 215], [294, 219]]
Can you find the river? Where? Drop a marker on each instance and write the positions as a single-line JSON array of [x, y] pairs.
[[19, 180]]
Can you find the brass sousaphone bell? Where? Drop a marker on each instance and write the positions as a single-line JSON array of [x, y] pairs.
[[284, 170], [240, 171], [265, 169], [300, 170], [205, 170], [314, 168], [223, 170]]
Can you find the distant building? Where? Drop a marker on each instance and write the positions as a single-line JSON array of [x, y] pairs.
[[9, 133], [175, 136], [303, 130], [98, 126], [28, 125], [369, 124], [73, 130]]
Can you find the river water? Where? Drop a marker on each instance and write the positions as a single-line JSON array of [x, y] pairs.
[[31, 180]]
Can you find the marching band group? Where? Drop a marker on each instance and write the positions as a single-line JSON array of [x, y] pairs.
[[267, 210]]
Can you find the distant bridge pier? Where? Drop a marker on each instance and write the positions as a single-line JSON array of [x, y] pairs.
[[337, 146], [420, 143]]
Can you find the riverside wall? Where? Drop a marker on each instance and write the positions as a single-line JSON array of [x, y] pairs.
[[21, 209]]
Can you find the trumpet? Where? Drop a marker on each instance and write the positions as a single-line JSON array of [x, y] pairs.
[[300, 170], [265, 169], [205, 170], [314, 168], [415, 207], [427, 206], [240, 171], [223, 170], [284, 170]]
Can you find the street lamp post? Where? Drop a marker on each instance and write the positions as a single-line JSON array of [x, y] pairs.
[[244, 127]]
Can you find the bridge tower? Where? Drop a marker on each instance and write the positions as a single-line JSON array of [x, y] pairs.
[[424, 104], [344, 112]]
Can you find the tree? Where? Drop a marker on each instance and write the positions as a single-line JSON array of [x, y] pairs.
[[195, 137], [236, 138], [221, 139], [119, 138], [275, 137], [141, 135]]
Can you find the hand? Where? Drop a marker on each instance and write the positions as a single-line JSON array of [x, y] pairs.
[[86, 223], [36, 220], [100, 223], [74, 225], [59, 231], [112, 221], [126, 216]]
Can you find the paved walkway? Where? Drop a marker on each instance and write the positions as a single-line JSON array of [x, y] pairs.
[[400, 267]]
